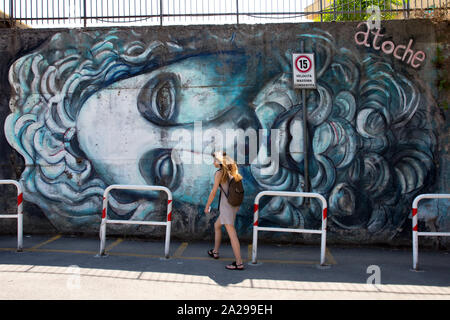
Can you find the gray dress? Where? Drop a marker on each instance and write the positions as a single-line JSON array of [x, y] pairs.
[[227, 211]]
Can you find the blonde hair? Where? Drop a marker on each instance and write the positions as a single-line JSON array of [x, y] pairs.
[[228, 166]]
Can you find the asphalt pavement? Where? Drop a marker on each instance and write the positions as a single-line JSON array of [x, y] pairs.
[[69, 268]]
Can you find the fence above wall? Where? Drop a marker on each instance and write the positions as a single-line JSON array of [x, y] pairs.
[[93, 13]]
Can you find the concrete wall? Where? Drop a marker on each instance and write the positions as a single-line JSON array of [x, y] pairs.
[[86, 108]]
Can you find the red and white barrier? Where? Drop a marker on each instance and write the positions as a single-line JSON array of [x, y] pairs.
[[105, 219], [19, 215], [322, 232], [415, 226]]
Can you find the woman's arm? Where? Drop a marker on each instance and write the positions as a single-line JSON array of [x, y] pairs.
[[212, 195]]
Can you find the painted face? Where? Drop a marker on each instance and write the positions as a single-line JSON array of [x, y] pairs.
[[127, 129]]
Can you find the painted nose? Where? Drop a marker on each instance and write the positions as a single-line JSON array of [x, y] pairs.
[[243, 125], [235, 118]]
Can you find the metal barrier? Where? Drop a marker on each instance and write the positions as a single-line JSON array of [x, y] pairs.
[[415, 226], [19, 215], [257, 228], [105, 219]]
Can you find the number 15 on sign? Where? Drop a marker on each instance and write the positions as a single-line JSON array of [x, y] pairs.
[[304, 75]]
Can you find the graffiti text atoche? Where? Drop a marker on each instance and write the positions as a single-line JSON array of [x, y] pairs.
[[400, 51]]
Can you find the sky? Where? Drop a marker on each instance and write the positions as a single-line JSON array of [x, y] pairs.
[[74, 8]]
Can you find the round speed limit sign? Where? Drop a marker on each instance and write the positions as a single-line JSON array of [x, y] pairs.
[[303, 63], [303, 71]]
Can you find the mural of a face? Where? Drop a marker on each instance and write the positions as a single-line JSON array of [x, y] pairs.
[[96, 108], [166, 100]]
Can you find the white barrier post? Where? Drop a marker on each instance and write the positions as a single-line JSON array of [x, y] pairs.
[[322, 232], [415, 225], [105, 219], [255, 229], [169, 225], [19, 215]]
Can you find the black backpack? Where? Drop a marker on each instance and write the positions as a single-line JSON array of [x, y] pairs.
[[235, 194]]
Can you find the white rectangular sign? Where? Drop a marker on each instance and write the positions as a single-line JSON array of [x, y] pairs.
[[304, 74]]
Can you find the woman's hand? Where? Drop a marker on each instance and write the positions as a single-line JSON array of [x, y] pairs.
[[213, 193]]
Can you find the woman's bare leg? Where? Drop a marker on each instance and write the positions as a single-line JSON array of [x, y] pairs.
[[234, 242], [217, 235]]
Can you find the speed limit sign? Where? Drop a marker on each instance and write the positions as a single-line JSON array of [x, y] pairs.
[[304, 74]]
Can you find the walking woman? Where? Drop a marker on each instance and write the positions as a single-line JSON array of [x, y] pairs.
[[227, 170]]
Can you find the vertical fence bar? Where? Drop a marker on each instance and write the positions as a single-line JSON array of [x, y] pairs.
[[415, 237], [11, 13], [334, 7], [255, 231], [160, 12], [19, 218], [323, 236], [168, 10], [169, 225], [84, 14], [237, 11], [103, 225], [321, 10]]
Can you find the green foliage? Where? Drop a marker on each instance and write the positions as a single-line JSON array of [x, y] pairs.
[[357, 9]]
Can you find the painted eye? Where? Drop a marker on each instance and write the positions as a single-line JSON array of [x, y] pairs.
[[164, 100], [157, 99]]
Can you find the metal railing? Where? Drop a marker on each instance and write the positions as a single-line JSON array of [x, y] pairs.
[[105, 219], [84, 13], [322, 231], [415, 225], [19, 215]]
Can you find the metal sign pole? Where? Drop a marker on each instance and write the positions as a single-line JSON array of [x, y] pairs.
[[305, 135]]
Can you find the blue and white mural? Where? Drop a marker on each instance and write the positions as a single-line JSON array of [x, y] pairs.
[[94, 108]]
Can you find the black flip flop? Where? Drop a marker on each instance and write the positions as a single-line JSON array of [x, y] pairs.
[[213, 254], [235, 266]]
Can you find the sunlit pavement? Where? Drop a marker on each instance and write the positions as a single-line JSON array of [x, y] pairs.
[[67, 267]]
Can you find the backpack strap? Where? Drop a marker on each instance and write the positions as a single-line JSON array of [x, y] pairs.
[[226, 195], [229, 182]]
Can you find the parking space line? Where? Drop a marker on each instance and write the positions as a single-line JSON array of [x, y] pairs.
[[46, 242], [329, 257], [60, 251], [180, 250], [115, 243]]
